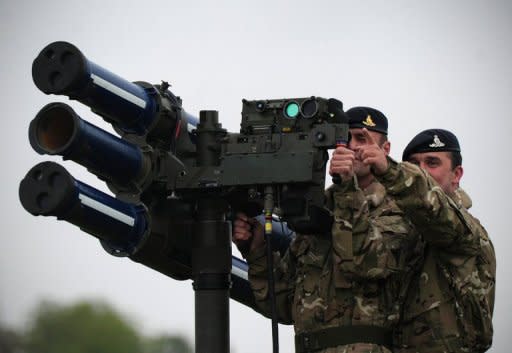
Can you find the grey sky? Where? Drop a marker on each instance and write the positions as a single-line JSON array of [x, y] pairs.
[[424, 64]]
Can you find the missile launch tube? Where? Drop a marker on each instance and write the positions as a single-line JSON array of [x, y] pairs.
[[49, 190], [58, 130], [62, 69]]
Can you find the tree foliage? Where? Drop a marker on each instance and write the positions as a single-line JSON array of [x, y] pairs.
[[167, 344], [84, 327], [10, 341]]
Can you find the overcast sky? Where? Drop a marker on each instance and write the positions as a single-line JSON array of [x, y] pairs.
[[425, 64]]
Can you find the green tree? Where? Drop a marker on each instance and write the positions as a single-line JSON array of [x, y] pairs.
[[84, 327], [10, 341], [167, 344]]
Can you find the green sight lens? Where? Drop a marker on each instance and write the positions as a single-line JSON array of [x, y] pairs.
[[291, 110]]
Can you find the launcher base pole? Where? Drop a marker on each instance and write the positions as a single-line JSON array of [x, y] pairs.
[[211, 267]]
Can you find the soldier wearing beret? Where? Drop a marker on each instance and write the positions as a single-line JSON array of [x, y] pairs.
[[343, 291], [449, 307]]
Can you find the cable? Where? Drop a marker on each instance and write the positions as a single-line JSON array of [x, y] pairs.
[[268, 208]]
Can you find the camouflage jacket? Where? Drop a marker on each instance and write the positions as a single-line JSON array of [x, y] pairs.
[[449, 307], [357, 275]]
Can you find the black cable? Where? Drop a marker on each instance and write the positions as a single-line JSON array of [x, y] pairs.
[[272, 296], [269, 206]]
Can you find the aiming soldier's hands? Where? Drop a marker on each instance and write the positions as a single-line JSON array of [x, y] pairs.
[[247, 230], [342, 163], [372, 154]]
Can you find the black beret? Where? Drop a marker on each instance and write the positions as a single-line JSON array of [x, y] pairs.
[[365, 117], [432, 140]]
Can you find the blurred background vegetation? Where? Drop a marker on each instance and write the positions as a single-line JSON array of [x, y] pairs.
[[85, 327]]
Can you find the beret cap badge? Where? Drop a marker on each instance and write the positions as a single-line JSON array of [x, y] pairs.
[[369, 121], [437, 142]]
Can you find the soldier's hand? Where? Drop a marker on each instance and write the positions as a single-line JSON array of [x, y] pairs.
[[342, 163], [372, 154], [247, 233]]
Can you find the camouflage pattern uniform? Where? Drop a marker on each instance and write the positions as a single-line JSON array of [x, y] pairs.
[[450, 305], [356, 276]]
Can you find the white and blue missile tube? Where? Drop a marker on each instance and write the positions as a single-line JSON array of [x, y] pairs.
[[49, 190], [61, 68], [58, 130]]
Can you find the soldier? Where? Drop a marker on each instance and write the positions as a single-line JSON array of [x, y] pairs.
[[449, 307], [343, 291]]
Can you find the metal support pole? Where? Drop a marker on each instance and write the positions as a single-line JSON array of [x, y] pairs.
[[211, 251]]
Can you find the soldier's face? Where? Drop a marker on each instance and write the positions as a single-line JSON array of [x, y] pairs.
[[358, 140], [439, 166]]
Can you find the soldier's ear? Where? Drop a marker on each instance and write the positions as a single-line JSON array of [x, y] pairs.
[[386, 146], [458, 171]]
